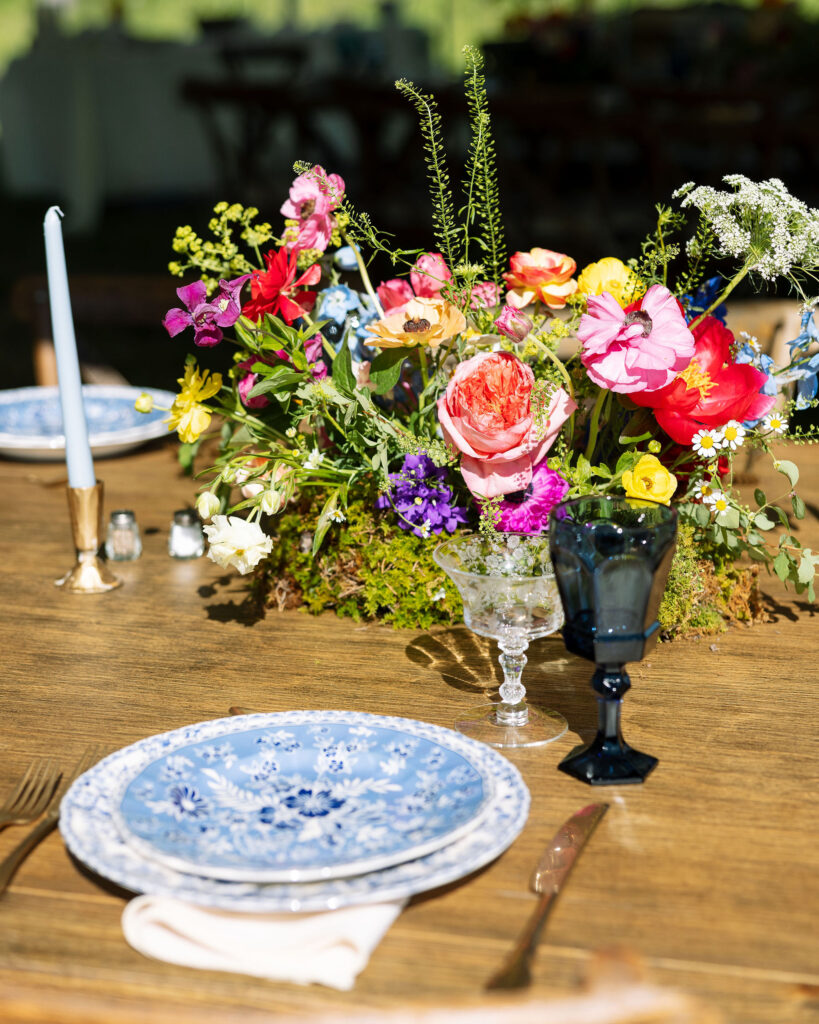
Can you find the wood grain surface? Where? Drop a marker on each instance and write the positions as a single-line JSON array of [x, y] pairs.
[[706, 876]]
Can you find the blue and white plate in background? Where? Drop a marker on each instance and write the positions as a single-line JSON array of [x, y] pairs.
[[90, 831], [31, 421], [301, 798]]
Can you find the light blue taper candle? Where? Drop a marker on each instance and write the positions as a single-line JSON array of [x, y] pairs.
[[77, 449]]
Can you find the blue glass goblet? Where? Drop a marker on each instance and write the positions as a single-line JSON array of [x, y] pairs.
[[611, 557]]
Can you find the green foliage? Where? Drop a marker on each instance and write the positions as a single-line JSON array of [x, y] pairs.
[[366, 568]]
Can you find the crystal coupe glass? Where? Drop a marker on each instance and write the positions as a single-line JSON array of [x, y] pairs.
[[611, 557], [509, 593]]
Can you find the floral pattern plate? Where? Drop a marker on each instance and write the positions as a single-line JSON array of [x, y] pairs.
[[31, 421], [91, 834], [297, 801]]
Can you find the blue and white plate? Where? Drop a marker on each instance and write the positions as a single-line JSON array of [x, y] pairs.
[[90, 831], [296, 801], [31, 421]]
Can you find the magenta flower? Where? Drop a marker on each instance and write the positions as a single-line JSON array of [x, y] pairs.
[[429, 275], [515, 324], [206, 318], [530, 514], [394, 294], [313, 349], [314, 196], [247, 383], [485, 295], [640, 348]]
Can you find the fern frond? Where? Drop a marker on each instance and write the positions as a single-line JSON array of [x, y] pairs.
[[443, 218], [481, 184]]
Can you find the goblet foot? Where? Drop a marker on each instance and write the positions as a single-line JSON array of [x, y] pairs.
[[606, 763], [500, 725]]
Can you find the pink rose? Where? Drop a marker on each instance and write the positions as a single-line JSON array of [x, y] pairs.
[[429, 275], [485, 295], [394, 294], [516, 325], [640, 348], [486, 415]]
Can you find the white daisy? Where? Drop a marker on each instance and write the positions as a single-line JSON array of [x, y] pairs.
[[426, 529], [775, 423], [733, 435], [718, 502], [703, 490], [314, 459], [337, 516], [707, 442]]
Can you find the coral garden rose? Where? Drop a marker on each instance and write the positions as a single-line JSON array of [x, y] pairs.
[[429, 275], [613, 276], [649, 479], [486, 414], [641, 348], [540, 274], [422, 321], [711, 390]]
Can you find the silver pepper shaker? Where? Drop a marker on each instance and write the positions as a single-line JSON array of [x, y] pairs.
[[186, 538], [123, 542]]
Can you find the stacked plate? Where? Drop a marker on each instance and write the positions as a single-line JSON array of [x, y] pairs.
[[295, 811]]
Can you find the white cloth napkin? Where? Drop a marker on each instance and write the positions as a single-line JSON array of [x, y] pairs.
[[329, 948]]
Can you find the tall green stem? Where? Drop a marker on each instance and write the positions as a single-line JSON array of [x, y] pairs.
[[594, 428], [365, 277], [722, 296]]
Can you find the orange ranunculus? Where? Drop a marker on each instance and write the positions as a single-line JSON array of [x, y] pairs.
[[421, 321], [540, 274]]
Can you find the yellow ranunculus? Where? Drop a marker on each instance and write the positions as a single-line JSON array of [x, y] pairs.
[[650, 480], [613, 276], [189, 418]]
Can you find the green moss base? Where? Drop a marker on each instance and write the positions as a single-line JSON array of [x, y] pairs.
[[369, 569]]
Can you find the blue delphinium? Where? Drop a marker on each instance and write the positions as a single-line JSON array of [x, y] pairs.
[[422, 498], [697, 303], [804, 367]]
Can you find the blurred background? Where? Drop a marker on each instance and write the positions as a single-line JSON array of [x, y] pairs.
[[136, 116]]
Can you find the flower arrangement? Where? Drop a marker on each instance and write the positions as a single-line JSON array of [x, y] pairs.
[[362, 421]]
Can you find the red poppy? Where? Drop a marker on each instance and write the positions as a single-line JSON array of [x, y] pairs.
[[710, 391], [274, 290]]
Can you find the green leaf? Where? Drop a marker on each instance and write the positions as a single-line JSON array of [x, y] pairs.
[[782, 565], [729, 519], [625, 439], [759, 497], [762, 522], [343, 370], [583, 469], [788, 469], [758, 556], [701, 515], [627, 461], [324, 521], [285, 380], [755, 538], [385, 369], [798, 507], [782, 514], [806, 570]]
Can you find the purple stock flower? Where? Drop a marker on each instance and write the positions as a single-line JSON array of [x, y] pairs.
[[422, 498], [206, 318], [531, 513]]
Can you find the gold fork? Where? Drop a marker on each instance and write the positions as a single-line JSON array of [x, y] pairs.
[[42, 829], [31, 795]]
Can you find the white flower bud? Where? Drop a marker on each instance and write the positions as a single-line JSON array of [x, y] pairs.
[[207, 505]]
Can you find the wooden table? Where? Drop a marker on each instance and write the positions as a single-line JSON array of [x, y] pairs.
[[707, 874]]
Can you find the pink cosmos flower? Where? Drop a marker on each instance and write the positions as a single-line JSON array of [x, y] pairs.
[[531, 513], [640, 348], [394, 294], [515, 324], [313, 197], [485, 295], [429, 275], [486, 415]]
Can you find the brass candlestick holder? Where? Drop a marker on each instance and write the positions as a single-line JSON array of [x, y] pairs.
[[90, 575]]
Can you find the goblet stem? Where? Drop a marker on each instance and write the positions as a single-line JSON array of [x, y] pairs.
[[513, 710]]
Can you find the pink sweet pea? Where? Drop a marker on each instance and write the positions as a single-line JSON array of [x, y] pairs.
[[313, 197], [206, 318], [517, 326], [486, 415], [429, 275], [394, 294], [640, 348]]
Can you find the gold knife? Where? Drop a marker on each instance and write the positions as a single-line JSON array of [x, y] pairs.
[[549, 876]]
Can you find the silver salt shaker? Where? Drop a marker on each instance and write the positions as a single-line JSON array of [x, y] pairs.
[[186, 538], [123, 542]]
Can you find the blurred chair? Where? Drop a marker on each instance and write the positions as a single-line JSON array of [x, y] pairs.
[[118, 302]]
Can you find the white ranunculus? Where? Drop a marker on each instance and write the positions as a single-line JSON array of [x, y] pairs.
[[207, 505], [236, 542]]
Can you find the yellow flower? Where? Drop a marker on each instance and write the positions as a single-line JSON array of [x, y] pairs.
[[650, 479], [144, 402], [421, 322], [188, 416], [613, 276]]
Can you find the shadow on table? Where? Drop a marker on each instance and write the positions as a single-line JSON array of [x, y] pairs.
[[553, 680], [247, 612]]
